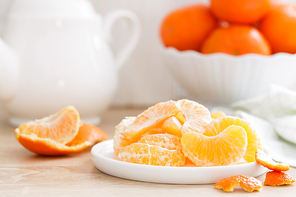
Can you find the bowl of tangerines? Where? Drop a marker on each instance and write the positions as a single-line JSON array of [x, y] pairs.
[[230, 50]]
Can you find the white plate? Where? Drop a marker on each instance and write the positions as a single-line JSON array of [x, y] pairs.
[[105, 160]]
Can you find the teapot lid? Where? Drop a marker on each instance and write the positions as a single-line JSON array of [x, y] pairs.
[[52, 8]]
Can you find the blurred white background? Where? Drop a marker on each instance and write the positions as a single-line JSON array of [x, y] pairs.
[[144, 80]]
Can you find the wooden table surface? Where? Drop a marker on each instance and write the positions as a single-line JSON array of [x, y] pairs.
[[23, 173]]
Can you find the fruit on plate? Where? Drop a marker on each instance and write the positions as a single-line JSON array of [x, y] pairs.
[[58, 134], [196, 116], [141, 153], [240, 11], [236, 40], [186, 28], [217, 114], [265, 160], [225, 148], [219, 125], [120, 139], [279, 28], [184, 129], [172, 126], [276, 178], [167, 141], [249, 184], [152, 117]]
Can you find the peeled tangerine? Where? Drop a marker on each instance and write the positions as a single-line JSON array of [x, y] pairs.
[[228, 147], [219, 125], [151, 155]]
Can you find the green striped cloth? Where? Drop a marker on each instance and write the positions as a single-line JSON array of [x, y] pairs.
[[273, 116]]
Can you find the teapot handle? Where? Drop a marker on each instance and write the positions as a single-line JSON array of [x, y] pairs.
[[133, 39]]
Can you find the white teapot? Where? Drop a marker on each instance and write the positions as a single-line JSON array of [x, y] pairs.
[[55, 53]]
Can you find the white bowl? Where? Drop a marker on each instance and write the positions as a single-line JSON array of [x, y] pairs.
[[221, 79]]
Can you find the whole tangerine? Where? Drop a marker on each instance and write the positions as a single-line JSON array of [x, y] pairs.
[[240, 11], [186, 28], [279, 28], [236, 40]]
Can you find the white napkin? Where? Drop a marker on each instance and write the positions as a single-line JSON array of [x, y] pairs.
[[278, 131]]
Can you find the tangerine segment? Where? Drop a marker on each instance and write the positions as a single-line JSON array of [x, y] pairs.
[[167, 141], [60, 127], [275, 178], [91, 133], [196, 115], [149, 118], [220, 124], [151, 155], [266, 161], [217, 114], [120, 139], [248, 183], [46, 146], [226, 148], [172, 126]]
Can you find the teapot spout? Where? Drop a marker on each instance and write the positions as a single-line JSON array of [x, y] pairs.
[[9, 72]]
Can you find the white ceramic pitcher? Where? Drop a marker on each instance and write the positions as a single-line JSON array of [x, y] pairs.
[[55, 53]]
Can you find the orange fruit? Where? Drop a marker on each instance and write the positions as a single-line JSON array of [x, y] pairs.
[[197, 117], [167, 141], [186, 28], [46, 146], [217, 114], [91, 133], [219, 125], [49, 136], [61, 127], [236, 40], [172, 126], [248, 183], [226, 148], [266, 161], [242, 11], [275, 178], [120, 139], [279, 28], [151, 155], [152, 117]]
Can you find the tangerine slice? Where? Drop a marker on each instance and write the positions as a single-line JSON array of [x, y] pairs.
[[275, 178], [167, 141], [226, 148], [197, 117], [120, 139], [248, 183], [88, 132], [172, 126], [266, 161], [220, 124], [46, 146], [217, 114], [153, 131], [151, 155], [60, 127], [151, 118]]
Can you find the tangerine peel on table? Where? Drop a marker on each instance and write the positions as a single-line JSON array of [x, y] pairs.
[[276, 178], [248, 183]]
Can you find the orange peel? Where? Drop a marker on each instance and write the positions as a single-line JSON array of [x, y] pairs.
[[276, 178], [265, 160], [248, 183]]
